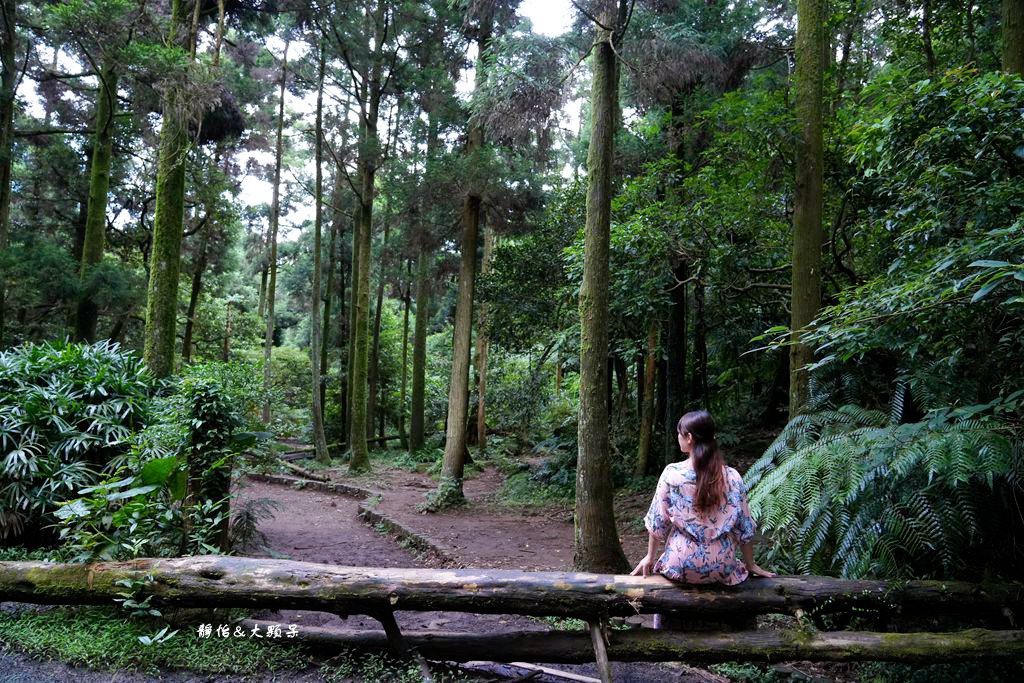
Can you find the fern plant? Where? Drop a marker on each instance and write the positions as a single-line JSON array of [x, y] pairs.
[[854, 493]]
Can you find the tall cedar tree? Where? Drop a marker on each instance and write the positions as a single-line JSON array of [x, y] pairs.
[[811, 45], [1013, 36], [596, 545]]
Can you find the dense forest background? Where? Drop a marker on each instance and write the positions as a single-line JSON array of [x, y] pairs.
[[424, 226]]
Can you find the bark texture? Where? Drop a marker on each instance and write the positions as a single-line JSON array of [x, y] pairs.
[[419, 350], [647, 400], [94, 242], [224, 581], [673, 385], [811, 42], [483, 343], [596, 545]]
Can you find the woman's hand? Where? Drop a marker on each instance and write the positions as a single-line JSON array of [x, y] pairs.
[[757, 571], [644, 567]]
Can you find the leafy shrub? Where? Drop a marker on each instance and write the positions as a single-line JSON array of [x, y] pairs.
[[854, 493], [170, 495], [66, 410]]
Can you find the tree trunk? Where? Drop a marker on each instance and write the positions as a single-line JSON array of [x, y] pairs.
[[647, 402], [419, 349], [404, 440], [596, 545], [350, 350], [1013, 36], [482, 347], [275, 216], [315, 345], [332, 263], [455, 450], [811, 41], [8, 81], [225, 353], [96, 214], [262, 308], [168, 221], [674, 376], [226, 581], [926, 36], [193, 299], [369, 143]]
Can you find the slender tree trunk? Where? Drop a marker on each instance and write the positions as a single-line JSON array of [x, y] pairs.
[[699, 385], [262, 308], [483, 343], [332, 264], [674, 371], [368, 151], [193, 299], [811, 41], [419, 350], [275, 216], [96, 213], [1013, 36], [647, 400], [315, 345], [352, 309], [168, 221], [926, 36], [406, 296], [455, 450], [596, 544], [8, 82]]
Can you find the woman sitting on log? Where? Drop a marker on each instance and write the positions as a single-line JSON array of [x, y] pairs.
[[700, 512]]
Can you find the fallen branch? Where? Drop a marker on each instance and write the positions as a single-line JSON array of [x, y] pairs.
[[648, 645], [218, 581]]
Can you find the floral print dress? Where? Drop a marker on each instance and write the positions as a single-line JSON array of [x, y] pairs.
[[700, 547]]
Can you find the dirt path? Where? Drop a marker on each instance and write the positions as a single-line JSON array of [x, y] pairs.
[[324, 527]]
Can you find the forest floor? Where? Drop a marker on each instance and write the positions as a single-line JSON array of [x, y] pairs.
[[320, 526]]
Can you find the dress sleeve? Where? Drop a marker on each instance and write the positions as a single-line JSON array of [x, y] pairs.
[[657, 520], [745, 521]]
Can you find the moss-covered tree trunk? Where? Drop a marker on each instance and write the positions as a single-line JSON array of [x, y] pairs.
[[368, 151], [673, 374], [1013, 36], [811, 42], [94, 241], [315, 357], [168, 219], [647, 400], [8, 80], [373, 376], [455, 450], [275, 216], [483, 343], [596, 544]]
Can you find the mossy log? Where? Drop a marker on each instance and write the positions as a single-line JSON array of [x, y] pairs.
[[219, 581], [648, 645]]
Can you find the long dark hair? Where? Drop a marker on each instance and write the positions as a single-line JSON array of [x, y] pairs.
[[706, 457]]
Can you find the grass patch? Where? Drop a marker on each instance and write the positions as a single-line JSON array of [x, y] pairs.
[[106, 638]]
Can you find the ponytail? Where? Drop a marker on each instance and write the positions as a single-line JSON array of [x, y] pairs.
[[706, 458]]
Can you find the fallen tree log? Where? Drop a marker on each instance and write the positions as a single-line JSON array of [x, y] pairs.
[[221, 581], [648, 645]]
